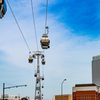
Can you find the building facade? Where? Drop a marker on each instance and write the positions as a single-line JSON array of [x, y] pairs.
[[63, 97], [10, 97], [14, 97], [96, 70], [86, 92]]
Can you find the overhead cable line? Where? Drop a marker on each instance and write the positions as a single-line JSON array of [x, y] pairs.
[[18, 26], [46, 15], [34, 24]]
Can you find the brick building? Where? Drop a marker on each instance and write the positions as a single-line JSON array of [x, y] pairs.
[[86, 92], [64, 97]]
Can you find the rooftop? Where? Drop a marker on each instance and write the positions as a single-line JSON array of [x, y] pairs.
[[96, 57], [81, 85]]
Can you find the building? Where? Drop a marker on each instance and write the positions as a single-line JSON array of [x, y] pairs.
[[96, 70], [11, 97], [86, 92], [14, 97], [5, 96], [64, 97]]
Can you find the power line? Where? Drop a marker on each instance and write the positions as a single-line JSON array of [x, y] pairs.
[[46, 15], [34, 24], [18, 26]]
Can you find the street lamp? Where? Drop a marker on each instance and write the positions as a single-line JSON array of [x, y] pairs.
[[62, 89]]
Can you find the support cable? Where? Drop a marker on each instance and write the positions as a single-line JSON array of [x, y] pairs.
[[34, 23], [46, 16], [18, 26]]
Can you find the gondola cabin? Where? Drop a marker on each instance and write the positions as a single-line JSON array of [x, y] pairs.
[[42, 78], [43, 62], [35, 74], [45, 41], [3, 8], [30, 59], [42, 86]]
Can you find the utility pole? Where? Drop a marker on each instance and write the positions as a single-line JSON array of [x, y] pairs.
[[3, 90], [10, 87]]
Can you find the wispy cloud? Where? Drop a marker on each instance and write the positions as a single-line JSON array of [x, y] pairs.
[[81, 16], [70, 53]]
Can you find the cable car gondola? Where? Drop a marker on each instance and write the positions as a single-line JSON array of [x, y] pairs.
[[42, 78], [42, 86], [3, 8], [45, 41], [35, 74], [43, 62], [30, 59]]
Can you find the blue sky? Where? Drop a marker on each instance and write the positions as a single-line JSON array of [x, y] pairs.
[[74, 40], [81, 16]]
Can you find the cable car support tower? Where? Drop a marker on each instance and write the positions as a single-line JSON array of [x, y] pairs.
[[37, 55], [45, 44]]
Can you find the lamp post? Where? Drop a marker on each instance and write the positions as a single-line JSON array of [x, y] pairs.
[[62, 89], [53, 97]]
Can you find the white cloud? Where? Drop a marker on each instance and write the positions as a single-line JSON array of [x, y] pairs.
[[69, 56]]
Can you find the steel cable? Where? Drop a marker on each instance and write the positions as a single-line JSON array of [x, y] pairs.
[[18, 26], [46, 16], [34, 23]]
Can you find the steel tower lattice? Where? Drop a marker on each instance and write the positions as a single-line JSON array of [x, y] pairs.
[[38, 95]]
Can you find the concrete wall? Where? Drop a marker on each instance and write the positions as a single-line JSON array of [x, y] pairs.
[[96, 72]]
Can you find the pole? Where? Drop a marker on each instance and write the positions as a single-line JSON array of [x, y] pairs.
[[3, 90], [62, 89], [9, 88], [38, 95], [38, 79]]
